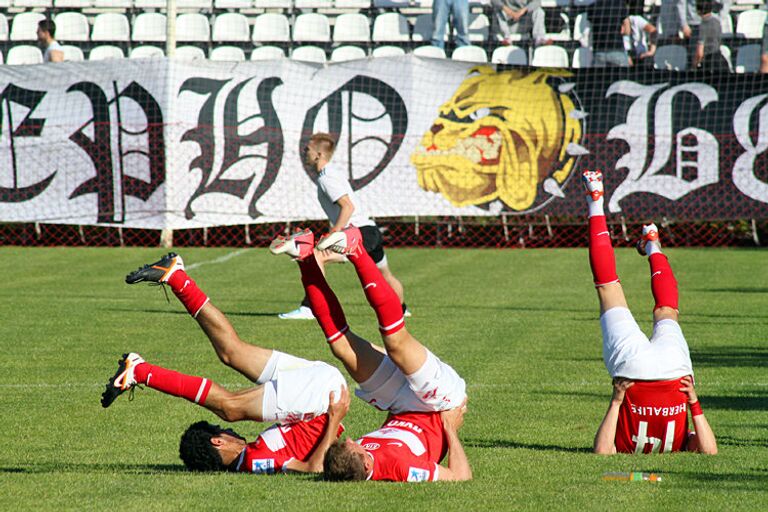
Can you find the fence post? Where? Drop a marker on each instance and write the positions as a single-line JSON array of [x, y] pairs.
[[755, 238], [166, 238], [170, 28]]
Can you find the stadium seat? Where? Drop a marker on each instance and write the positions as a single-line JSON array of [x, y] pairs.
[[267, 53], [273, 4], [391, 27], [582, 30], [313, 4], [72, 4], [233, 4], [149, 26], [106, 52], [194, 4], [1, 58], [113, 4], [748, 58], [582, 58], [351, 28], [512, 55], [4, 4], [227, 53], [565, 33], [24, 54], [726, 24], [430, 51], [3, 27], [309, 54], [479, 28], [72, 53], [422, 28], [311, 27], [352, 4], [749, 24], [111, 26], [470, 54], [149, 4], [388, 51], [345, 53], [193, 27], [72, 26], [231, 27], [550, 56], [671, 57], [146, 52], [726, 53], [31, 4], [24, 27], [189, 53], [271, 27]]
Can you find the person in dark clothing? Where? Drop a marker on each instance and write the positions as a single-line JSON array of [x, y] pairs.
[[707, 56], [610, 22]]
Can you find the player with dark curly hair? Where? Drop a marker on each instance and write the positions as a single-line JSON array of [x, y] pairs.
[[306, 399]]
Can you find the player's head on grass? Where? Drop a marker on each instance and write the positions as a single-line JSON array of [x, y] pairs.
[[319, 150], [346, 461], [208, 447]]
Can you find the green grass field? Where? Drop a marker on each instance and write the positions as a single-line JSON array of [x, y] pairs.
[[519, 325]]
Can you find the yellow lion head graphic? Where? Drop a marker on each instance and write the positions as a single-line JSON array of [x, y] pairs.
[[500, 136]]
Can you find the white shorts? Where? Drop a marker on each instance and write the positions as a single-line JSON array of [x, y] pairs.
[[629, 353], [298, 389], [434, 387]]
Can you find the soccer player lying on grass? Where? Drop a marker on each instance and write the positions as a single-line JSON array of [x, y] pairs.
[[652, 379], [425, 397], [299, 395]]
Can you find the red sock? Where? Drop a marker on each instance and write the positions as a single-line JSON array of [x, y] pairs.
[[663, 282], [185, 288], [380, 295], [324, 303], [601, 257], [194, 389]]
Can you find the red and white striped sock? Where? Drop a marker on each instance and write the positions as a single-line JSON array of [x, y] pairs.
[[324, 303], [663, 282], [601, 257], [185, 288], [380, 295], [194, 389]]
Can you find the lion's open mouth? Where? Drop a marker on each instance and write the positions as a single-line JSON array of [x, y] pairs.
[[483, 147]]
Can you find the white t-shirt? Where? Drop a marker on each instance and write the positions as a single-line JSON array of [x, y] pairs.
[[54, 46], [332, 185], [639, 38]]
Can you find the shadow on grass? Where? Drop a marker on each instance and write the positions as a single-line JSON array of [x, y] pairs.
[[506, 443], [731, 356], [735, 441], [745, 481], [738, 289], [65, 467], [184, 313]]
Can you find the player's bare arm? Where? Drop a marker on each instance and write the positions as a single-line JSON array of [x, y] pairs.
[[337, 410], [347, 208], [458, 465], [606, 434], [703, 439]]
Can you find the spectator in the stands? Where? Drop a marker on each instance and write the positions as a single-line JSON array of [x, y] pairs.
[[678, 19], [442, 10], [610, 22], [523, 17], [641, 41], [764, 52], [46, 32], [707, 56]]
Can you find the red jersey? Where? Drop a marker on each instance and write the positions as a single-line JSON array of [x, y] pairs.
[[653, 418], [280, 444], [407, 448]]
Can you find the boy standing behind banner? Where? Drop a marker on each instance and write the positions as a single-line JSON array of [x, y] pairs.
[[343, 209]]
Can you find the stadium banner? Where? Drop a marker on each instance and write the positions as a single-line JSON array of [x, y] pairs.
[[176, 144]]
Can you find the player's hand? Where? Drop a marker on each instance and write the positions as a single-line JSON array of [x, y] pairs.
[[688, 389], [620, 387], [338, 409], [453, 419], [687, 32]]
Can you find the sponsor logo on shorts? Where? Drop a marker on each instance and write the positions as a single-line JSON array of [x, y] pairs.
[[371, 446], [418, 474]]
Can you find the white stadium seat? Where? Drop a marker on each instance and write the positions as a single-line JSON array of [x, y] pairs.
[[430, 51], [150, 4], [582, 58], [748, 58], [470, 54], [4, 4], [149, 26], [582, 30], [726, 24], [113, 4], [24, 54], [24, 27], [106, 52], [479, 27], [72, 4], [227, 53], [193, 27], [671, 57], [194, 4], [72, 26], [1, 58], [345, 53], [72, 53], [231, 27], [3, 27], [550, 56], [31, 4], [267, 53], [189, 53], [726, 53], [352, 28], [565, 33], [352, 4], [749, 24], [271, 27], [111, 26], [233, 4], [422, 28], [387, 51], [391, 27], [309, 54], [512, 55], [146, 52], [313, 4], [273, 4], [312, 27]]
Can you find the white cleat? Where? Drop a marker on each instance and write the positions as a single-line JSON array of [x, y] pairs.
[[347, 241], [300, 313], [299, 245], [650, 235], [593, 183], [123, 380]]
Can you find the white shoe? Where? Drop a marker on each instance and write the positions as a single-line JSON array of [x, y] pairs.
[[407, 313], [300, 313], [346, 241], [299, 245], [123, 380], [593, 183]]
